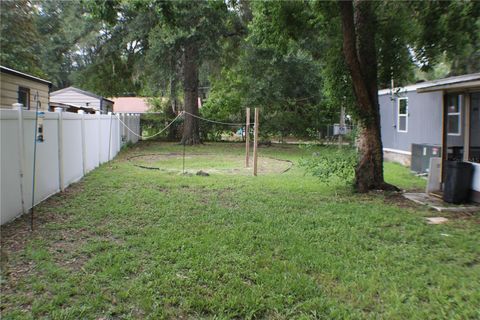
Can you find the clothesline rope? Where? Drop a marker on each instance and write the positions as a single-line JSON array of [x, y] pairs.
[[178, 116], [154, 135], [214, 121]]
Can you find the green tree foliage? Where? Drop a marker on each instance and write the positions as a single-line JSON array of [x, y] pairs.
[[275, 69], [176, 40], [64, 26], [336, 82], [161, 116], [447, 27], [188, 35], [395, 34], [115, 54], [19, 37]]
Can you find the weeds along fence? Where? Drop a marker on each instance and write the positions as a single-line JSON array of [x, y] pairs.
[[73, 145]]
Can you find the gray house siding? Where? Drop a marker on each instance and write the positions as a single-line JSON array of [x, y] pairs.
[[75, 98], [81, 98], [424, 120]]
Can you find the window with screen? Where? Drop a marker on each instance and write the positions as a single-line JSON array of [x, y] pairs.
[[24, 97], [454, 115], [402, 125]]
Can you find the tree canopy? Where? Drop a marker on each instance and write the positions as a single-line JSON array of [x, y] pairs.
[[129, 47]]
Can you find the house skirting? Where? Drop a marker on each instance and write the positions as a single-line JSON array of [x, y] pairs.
[[398, 156]]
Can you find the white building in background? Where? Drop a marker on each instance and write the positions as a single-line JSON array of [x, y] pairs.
[[82, 99]]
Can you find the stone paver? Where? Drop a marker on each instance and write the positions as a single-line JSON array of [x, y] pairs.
[[440, 205]]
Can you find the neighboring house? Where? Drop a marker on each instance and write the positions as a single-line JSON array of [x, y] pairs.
[[19, 87], [130, 105], [81, 99], [439, 118]]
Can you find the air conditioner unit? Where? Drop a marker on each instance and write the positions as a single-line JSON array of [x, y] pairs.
[[421, 154]]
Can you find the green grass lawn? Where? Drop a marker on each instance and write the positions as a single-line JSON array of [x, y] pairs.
[[132, 243]]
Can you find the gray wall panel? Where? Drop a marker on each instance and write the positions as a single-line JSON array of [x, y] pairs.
[[424, 120]]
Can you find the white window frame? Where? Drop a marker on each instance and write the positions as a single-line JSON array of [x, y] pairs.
[[459, 114], [399, 115]]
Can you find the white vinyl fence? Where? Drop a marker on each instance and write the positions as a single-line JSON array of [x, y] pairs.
[[73, 145]]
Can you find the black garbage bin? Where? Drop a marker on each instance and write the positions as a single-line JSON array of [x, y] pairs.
[[458, 180]]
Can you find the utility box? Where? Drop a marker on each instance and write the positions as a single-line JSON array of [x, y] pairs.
[[421, 154], [340, 130]]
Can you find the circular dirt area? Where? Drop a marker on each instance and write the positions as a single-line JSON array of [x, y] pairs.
[[209, 163]]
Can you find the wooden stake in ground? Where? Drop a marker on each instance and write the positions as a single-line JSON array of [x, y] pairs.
[[247, 139], [255, 143]]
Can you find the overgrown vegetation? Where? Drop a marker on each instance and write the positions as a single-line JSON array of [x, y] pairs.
[[131, 243], [332, 164]]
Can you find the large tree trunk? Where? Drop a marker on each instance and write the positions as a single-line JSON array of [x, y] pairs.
[[358, 26], [191, 134]]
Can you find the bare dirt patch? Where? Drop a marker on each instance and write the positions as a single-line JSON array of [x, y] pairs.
[[209, 163]]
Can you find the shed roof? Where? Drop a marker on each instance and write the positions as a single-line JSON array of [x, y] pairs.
[[24, 75], [87, 93], [130, 104]]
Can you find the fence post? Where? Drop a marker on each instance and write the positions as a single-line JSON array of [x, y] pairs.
[[135, 138], [247, 139], [140, 127], [119, 134], [137, 121], [110, 137], [99, 122], [134, 119], [21, 151], [60, 149], [128, 125], [255, 143], [84, 151], [122, 116]]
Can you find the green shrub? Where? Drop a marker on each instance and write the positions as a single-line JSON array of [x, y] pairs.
[[331, 163]]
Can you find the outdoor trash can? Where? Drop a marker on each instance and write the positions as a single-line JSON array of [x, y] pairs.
[[458, 180]]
